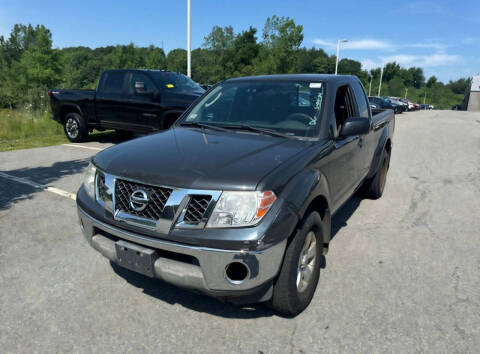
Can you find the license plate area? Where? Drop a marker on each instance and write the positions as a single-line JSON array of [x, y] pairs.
[[137, 258]]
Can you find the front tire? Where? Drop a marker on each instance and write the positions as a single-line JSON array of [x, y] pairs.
[[295, 286], [75, 128]]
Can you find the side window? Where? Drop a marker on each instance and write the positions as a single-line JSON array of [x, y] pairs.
[[140, 83], [361, 99], [344, 107], [113, 83]]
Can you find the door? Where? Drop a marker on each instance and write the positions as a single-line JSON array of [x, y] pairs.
[[366, 142], [143, 109], [111, 100], [341, 167]]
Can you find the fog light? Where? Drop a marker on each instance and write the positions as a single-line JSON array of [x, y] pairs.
[[236, 273]]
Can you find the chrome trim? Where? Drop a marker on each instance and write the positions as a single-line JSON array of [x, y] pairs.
[[263, 265], [173, 211]]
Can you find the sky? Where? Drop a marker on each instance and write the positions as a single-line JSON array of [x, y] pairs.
[[442, 37]]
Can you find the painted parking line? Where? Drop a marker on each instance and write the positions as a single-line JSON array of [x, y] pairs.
[[83, 147], [39, 186]]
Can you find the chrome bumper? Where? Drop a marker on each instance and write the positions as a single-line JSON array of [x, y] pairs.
[[209, 276]]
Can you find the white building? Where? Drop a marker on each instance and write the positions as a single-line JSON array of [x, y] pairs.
[[474, 99]]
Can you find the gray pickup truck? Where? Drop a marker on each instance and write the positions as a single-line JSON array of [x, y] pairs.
[[235, 200]]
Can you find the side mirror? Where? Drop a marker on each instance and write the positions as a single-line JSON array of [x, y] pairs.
[[355, 126], [139, 87]]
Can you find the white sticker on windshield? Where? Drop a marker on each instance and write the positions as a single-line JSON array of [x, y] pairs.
[[315, 84]]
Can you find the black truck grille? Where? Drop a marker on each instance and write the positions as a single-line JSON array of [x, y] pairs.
[[196, 208], [157, 197]]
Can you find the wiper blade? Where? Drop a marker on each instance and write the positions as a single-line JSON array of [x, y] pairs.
[[201, 125], [255, 129]]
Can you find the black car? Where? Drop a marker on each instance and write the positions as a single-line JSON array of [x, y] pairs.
[[383, 103], [235, 200], [125, 100]]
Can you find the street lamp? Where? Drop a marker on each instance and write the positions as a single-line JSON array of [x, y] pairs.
[[189, 48], [370, 85], [380, 84], [338, 53]]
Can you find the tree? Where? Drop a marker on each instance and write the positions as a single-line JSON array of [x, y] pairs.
[[281, 39], [177, 60], [431, 81], [418, 79]]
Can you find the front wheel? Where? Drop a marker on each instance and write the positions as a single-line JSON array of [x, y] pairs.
[[75, 128], [295, 286]]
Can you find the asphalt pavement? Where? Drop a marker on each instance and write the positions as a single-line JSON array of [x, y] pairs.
[[402, 273]]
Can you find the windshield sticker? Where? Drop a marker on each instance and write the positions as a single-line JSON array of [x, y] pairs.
[[318, 101], [169, 86], [315, 85]]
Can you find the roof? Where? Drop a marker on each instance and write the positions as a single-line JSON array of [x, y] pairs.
[[303, 77]]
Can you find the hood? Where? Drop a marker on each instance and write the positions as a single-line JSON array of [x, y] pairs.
[[189, 158]]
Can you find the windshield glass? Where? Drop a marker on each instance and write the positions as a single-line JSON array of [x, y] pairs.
[[288, 107], [175, 82]]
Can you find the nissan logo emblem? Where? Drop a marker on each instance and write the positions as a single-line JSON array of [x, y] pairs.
[[138, 200]]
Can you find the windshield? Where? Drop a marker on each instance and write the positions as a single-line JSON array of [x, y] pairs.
[[175, 82], [288, 107]]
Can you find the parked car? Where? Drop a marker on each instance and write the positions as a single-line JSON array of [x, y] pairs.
[[235, 200], [402, 105], [125, 100], [381, 102]]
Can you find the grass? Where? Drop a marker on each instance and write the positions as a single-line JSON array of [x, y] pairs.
[[23, 130]]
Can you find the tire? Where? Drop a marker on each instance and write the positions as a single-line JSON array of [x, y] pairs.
[[75, 128], [374, 186], [291, 295]]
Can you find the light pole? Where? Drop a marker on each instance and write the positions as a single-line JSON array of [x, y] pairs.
[[406, 91], [338, 53], [380, 84], [189, 48], [370, 85]]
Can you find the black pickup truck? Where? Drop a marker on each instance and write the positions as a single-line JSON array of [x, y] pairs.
[[125, 100], [235, 200]]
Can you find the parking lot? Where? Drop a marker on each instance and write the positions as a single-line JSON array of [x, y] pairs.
[[402, 273]]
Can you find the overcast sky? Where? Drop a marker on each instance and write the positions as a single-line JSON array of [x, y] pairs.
[[443, 37]]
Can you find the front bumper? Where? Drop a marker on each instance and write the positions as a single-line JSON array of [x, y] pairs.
[[207, 273]]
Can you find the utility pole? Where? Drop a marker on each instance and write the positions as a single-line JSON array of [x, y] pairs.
[[406, 91], [189, 48], [425, 96], [338, 52], [380, 84]]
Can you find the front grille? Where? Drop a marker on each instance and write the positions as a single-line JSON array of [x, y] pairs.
[[196, 208], [157, 197]]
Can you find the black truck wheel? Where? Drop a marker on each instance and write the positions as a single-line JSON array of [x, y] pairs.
[[75, 128], [295, 286], [374, 186]]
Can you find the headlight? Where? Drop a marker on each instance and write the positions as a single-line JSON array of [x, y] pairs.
[[237, 209], [89, 181]]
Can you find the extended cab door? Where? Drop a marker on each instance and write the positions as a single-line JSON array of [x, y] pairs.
[[366, 143], [143, 109], [110, 100]]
